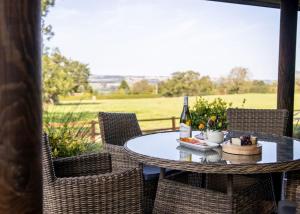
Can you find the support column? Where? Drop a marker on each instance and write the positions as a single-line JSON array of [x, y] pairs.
[[20, 107], [287, 59]]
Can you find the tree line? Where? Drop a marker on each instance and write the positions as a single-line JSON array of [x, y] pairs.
[[193, 83]]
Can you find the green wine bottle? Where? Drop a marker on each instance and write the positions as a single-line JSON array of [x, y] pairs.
[[185, 121]]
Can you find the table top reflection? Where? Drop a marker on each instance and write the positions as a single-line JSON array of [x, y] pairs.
[[161, 149]]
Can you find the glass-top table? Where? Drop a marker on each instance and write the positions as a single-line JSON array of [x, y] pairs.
[[279, 154]]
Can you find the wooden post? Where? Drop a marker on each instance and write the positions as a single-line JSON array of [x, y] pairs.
[[93, 130], [287, 59], [173, 123], [20, 107]]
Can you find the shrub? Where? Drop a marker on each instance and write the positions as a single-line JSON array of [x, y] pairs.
[[203, 110], [66, 137]]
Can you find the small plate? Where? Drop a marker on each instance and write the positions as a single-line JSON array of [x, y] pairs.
[[199, 147]]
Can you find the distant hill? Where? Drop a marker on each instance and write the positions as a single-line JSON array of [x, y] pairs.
[[110, 83]]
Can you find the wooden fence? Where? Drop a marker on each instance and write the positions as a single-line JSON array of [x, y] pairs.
[[172, 128], [95, 131]]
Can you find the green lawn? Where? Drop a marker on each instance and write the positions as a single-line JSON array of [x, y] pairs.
[[159, 107]]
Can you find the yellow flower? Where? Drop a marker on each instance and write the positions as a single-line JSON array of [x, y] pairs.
[[213, 118], [201, 126]]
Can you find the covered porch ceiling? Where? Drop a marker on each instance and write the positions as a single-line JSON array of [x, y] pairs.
[[260, 3]]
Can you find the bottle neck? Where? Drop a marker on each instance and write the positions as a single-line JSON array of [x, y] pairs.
[[186, 101]]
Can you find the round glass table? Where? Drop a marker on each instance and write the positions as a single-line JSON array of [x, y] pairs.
[[279, 154]]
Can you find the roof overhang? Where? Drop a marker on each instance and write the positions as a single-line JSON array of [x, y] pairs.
[[260, 3]]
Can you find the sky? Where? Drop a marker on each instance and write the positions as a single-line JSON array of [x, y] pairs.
[[159, 37]]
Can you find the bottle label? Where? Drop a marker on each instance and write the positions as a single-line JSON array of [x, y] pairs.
[[185, 130]]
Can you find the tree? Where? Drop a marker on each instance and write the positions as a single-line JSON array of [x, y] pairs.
[[237, 78], [47, 29], [62, 76], [222, 85], [79, 73], [259, 86], [124, 87], [186, 83], [206, 86], [142, 87]]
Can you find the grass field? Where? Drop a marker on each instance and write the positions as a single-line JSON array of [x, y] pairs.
[[159, 107]]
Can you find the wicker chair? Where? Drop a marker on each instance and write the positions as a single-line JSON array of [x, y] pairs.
[[116, 129], [182, 193], [268, 121], [85, 184], [298, 199], [250, 120]]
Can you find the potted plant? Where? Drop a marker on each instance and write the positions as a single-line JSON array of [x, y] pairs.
[[215, 110], [215, 126]]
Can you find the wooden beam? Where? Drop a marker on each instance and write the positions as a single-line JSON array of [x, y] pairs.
[[20, 107], [287, 59], [258, 3]]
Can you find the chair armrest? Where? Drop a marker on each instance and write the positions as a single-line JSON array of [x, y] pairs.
[[91, 164], [120, 159], [117, 192]]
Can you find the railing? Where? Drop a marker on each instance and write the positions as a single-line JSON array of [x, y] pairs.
[[94, 133], [172, 127]]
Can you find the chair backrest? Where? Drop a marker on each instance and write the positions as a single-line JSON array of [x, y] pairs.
[[48, 168], [117, 128], [268, 121]]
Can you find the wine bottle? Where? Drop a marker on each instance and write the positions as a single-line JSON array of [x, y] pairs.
[[185, 120]]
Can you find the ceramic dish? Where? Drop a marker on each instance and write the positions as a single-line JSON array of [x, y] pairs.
[[199, 146]]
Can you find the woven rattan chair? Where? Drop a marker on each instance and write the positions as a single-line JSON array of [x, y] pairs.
[[182, 193], [268, 121], [86, 184], [293, 188], [116, 129], [298, 199]]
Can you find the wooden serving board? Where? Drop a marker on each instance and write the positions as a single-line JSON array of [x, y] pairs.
[[241, 150], [241, 159]]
